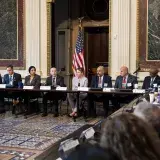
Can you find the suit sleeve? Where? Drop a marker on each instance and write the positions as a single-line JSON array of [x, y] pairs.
[[25, 81], [143, 86], [20, 78], [134, 81], [110, 82], [4, 80], [93, 82], [38, 82], [62, 82], [116, 83], [86, 83], [47, 81]]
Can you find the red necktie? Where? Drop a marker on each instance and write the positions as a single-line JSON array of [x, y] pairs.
[[124, 80]]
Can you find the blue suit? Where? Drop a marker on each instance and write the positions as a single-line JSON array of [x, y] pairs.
[[106, 82], [16, 78]]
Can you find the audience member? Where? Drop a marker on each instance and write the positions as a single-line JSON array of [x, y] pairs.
[[99, 81], [92, 152], [151, 81], [53, 80], [131, 138], [78, 81], [149, 113]]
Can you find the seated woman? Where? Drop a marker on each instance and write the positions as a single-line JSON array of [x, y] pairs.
[[32, 80], [79, 81]]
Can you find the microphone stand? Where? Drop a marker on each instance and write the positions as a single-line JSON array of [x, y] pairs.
[[136, 72]]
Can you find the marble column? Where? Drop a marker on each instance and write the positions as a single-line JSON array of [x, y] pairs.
[[33, 34], [120, 35]]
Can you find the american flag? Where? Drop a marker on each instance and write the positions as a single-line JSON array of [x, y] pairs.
[[78, 56]]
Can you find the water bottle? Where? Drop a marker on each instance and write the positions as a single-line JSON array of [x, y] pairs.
[[159, 89]]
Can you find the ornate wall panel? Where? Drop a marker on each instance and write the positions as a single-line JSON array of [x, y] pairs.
[[148, 34], [12, 48]]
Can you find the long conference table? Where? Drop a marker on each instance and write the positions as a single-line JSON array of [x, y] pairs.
[[27, 92]]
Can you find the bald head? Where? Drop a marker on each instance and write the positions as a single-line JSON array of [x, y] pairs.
[[123, 71], [100, 71], [153, 72]]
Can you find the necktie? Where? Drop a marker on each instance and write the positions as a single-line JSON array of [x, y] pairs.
[[53, 81], [124, 82], [151, 83], [99, 80], [10, 79]]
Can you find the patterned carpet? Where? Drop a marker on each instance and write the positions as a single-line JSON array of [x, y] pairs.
[[35, 133]]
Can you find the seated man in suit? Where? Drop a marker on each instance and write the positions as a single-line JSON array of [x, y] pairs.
[[151, 81], [99, 81], [1, 99], [125, 80], [12, 79], [54, 80]]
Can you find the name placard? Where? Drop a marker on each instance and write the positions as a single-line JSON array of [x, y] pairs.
[[61, 88], [28, 87], [69, 144], [138, 90], [108, 89], [83, 89], [45, 87], [2, 85], [89, 133]]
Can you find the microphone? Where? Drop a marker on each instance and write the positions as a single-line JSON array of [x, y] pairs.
[[137, 70]]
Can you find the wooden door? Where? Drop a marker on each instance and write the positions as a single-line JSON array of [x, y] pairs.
[[96, 47]]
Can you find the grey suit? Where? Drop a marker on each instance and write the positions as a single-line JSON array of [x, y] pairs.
[[72, 98], [36, 81], [131, 80]]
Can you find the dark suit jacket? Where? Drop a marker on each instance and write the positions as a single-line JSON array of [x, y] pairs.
[[0, 79], [16, 78], [36, 81], [59, 81], [147, 80], [131, 79], [106, 79]]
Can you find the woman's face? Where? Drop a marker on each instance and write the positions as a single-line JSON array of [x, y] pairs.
[[33, 71], [79, 74]]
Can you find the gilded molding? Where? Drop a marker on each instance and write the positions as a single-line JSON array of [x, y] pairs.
[[110, 24], [49, 22], [137, 35]]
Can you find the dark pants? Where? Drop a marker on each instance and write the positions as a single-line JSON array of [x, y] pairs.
[[55, 97], [97, 98], [28, 96], [117, 100]]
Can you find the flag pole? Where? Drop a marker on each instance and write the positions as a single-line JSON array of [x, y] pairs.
[[80, 21]]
